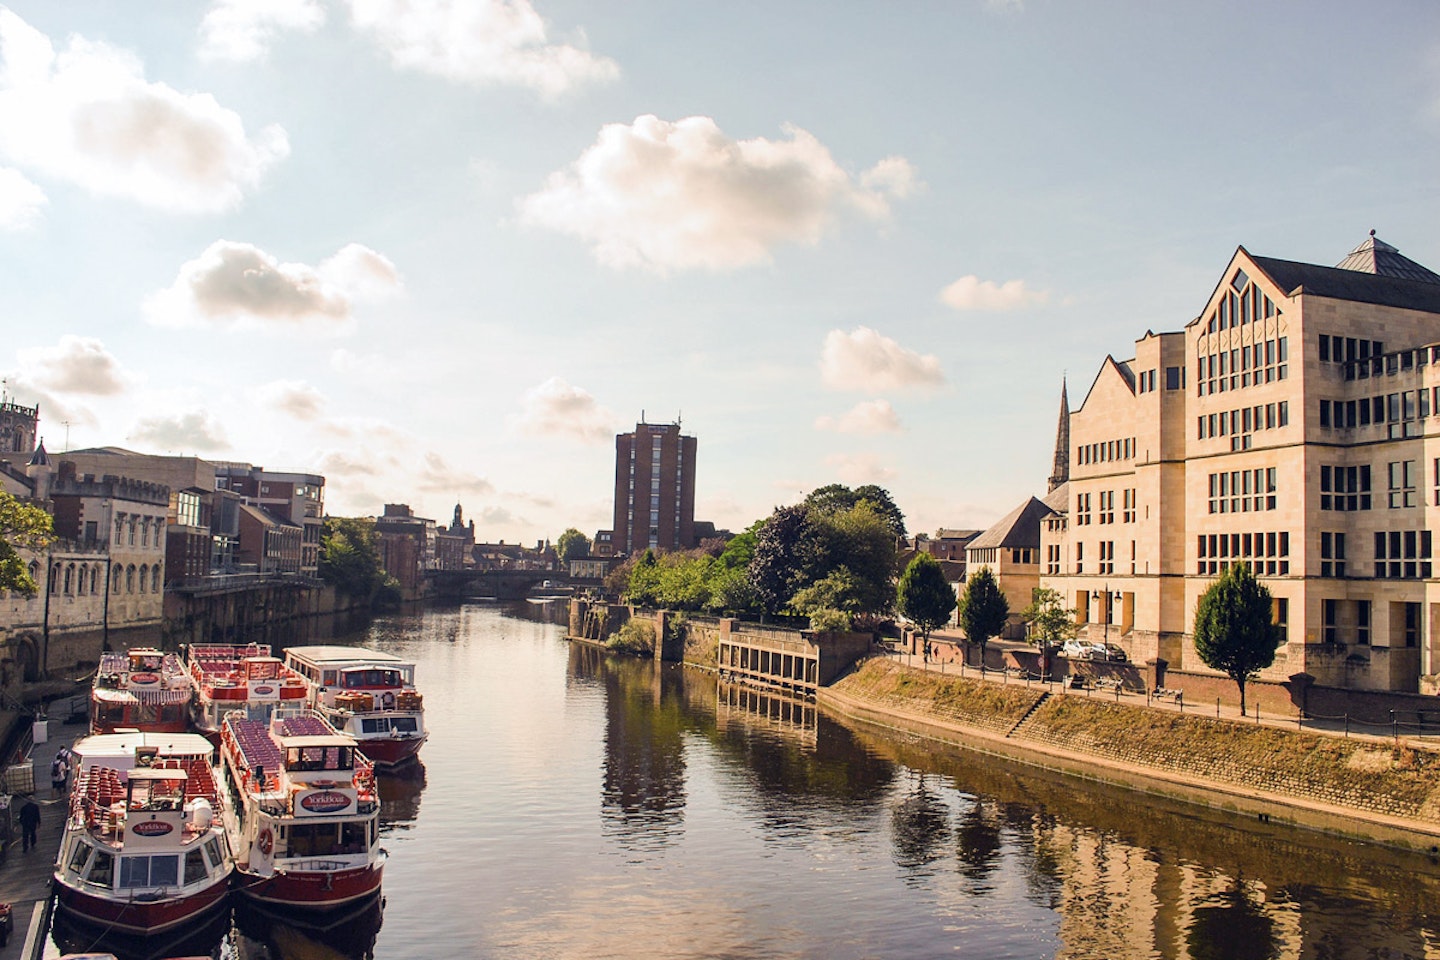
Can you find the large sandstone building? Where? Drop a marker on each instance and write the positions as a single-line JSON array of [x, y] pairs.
[[1291, 426]]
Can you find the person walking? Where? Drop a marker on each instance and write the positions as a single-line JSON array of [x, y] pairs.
[[59, 776], [29, 823]]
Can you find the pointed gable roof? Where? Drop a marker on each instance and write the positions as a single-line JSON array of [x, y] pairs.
[[1379, 258], [1018, 528], [40, 458]]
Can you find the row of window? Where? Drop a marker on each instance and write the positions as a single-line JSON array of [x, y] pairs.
[[1106, 564], [1330, 616], [1243, 491], [126, 525], [1250, 365], [81, 579], [1145, 382], [1229, 423], [1346, 488], [1106, 513], [1105, 452], [1337, 349], [1266, 554], [1241, 304], [1399, 411]]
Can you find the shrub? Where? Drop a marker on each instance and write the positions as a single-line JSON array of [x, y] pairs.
[[637, 636]]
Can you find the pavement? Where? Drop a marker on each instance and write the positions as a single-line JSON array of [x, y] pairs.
[[25, 875]]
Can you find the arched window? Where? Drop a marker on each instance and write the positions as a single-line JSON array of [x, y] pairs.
[[119, 528], [55, 579], [145, 533], [70, 579], [132, 531], [130, 579], [115, 585], [94, 578], [80, 579], [155, 579], [144, 577], [35, 570]]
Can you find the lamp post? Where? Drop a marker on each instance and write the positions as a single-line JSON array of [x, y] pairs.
[[1105, 608]]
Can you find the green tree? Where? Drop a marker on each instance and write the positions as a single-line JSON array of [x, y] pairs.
[[684, 581], [22, 527], [1051, 624], [983, 609], [1235, 632], [924, 596], [833, 600], [783, 557], [643, 587], [861, 541], [350, 558], [838, 498], [572, 545]]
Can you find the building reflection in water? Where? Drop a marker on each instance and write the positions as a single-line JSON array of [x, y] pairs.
[[203, 938], [740, 707], [400, 792]]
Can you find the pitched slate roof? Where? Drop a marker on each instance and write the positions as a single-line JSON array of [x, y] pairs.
[[1378, 257], [1374, 272], [1018, 528]]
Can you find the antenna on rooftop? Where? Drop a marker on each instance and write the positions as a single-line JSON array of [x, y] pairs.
[[66, 424]]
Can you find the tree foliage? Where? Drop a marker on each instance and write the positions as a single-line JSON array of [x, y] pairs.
[[350, 558], [1234, 628], [572, 545], [801, 546], [838, 498], [22, 527], [783, 557], [1050, 622], [924, 596], [983, 609]]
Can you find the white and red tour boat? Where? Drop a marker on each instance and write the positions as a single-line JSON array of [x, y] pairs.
[[367, 694], [143, 850], [304, 818], [140, 689], [240, 677]]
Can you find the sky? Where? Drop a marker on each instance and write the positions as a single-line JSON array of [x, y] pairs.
[[442, 251]]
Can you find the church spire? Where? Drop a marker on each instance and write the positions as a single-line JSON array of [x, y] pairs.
[[1060, 472]]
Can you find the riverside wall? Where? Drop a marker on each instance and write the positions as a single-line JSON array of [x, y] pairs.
[[1367, 789]]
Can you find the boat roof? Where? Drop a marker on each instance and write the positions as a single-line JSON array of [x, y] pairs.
[[150, 773], [337, 654], [125, 744], [318, 740]]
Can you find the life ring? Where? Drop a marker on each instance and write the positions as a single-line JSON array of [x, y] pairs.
[[387, 700], [266, 841]]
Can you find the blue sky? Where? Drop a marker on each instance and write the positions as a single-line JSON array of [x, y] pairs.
[[443, 252]]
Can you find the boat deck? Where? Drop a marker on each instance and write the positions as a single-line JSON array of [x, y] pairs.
[[259, 749]]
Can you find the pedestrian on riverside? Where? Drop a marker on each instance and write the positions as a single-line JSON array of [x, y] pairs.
[[29, 823], [59, 775]]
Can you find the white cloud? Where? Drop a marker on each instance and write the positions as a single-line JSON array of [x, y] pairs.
[[556, 408], [195, 432], [866, 360], [972, 293], [859, 469], [88, 115], [436, 476], [20, 200], [75, 365], [867, 416], [242, 30], [294, 397], [238, 283], [54, 409], [480, 42], [679, 195]]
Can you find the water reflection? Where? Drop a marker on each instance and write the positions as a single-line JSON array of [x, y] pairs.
[[746, 709], [400, 792], [73, 935], [347, 934]]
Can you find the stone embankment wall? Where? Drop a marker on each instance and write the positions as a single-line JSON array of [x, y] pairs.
[[1371, 789]]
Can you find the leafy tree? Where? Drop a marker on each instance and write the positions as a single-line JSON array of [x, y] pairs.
[[22, 527], [643, 588], [1234, 629], [880, 499], [861, 541], [684, 581], [983, 609], [784, 549], [838, 498], [730, 591], [838, 590], [924, 596], [1050, 622], [350, 558], [572, 545]]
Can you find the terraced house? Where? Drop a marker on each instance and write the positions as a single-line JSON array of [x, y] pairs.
[[1294, 426]]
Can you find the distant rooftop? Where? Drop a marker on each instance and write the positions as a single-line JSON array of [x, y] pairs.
[[1378, 257]]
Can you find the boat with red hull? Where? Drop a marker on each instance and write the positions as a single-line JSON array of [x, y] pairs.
[[240, 677], [140, 689], [304, 822], [143, 851], [367, 694]]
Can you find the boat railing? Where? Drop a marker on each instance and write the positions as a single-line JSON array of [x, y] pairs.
[[319, 865]]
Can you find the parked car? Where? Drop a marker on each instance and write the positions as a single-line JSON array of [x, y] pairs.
[[1109, 651], [1075, 650]]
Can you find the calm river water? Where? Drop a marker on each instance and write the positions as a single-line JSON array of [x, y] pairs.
[[575, 805]]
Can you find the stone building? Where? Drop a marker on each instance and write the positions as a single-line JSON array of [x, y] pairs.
[[1291, 426], [296, 498]]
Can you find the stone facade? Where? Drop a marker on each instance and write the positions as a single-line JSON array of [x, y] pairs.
[[1292, 427]]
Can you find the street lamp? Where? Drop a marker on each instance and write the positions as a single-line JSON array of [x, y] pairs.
[[1105, 608]]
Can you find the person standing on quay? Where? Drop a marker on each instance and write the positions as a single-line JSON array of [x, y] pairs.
[[29, 823], [59, 776]]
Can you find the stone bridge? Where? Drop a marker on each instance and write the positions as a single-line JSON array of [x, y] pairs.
[[499, 584]]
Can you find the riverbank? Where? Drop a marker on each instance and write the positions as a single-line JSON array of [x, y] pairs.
[[1359, 788]]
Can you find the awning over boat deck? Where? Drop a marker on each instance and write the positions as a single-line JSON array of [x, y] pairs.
[[144, 697]]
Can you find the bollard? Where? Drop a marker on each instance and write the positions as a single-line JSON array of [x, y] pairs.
[[1217, 708], [1347, 726], [1117, 694]]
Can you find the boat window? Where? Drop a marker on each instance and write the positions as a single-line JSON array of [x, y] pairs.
[[312, 840], [329, 680], [112, 714], [404, 724], [194, 867], [378, 725], [161, 871], [102, 869], [212, 851], [78, 858], [353, 838]]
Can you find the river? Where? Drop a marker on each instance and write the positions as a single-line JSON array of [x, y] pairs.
[[577, 805]]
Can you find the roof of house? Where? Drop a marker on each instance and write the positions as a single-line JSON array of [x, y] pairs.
[[1018, 528]]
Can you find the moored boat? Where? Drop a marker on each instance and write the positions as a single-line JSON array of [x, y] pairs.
[[143, 850], [304, 817], [240, 677], [367, 694], [140, 689]]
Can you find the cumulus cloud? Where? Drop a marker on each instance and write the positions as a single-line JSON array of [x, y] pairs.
[[20, 200], [242, 30], [75, 365], [557, 408], [866, 360], [88, 115], [479, 42], [238, 284], [437, 476], [860, 469], [294, 397], [22, 388], [972, 293], [680, 195], [867, 416], [196, 431]]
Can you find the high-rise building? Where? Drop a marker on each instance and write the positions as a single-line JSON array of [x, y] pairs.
[[654, 489]]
